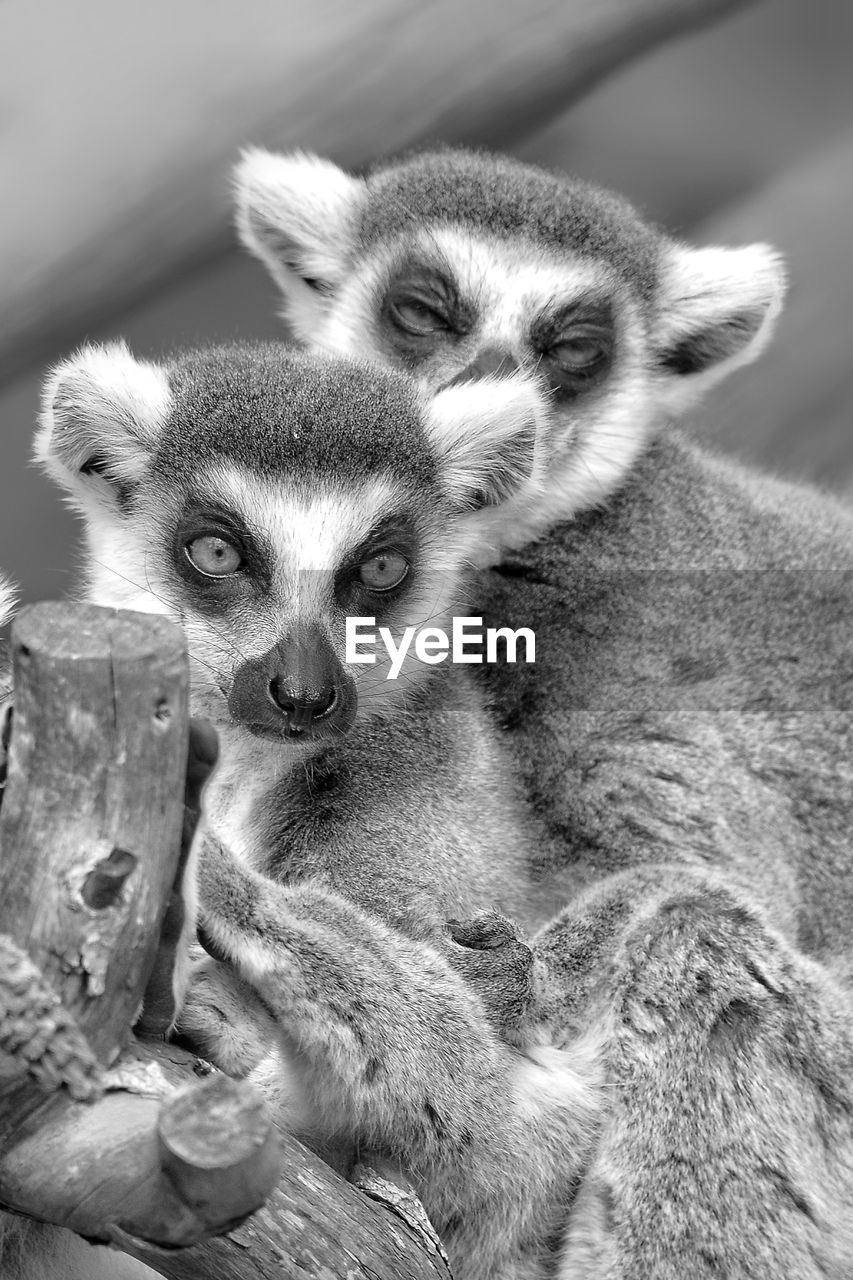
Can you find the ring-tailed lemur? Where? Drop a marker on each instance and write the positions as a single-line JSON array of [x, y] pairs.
[[260, 497], [685, 733], [452, 265]]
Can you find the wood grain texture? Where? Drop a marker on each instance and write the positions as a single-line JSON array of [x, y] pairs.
[[91, 834], [143, 1154], [124, 122], [91, 821], [314, 1224]]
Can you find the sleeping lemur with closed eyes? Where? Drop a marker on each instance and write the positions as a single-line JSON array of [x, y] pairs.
[[684, 736]]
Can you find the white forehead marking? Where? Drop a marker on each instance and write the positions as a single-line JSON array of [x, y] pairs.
[[307, 530], [508, 282]]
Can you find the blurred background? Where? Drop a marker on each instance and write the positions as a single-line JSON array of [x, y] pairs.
[[725, 121]]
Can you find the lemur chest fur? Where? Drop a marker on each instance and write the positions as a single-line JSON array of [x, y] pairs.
[[385, 816]]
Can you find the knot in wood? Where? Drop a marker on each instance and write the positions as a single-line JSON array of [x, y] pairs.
[[103, 885]]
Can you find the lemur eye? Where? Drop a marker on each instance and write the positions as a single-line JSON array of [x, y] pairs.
[[213, 556], [415, 315], [384, 571], [580, 351]]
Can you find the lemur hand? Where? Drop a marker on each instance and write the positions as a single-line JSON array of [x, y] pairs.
[[164, 993], [495, 961]]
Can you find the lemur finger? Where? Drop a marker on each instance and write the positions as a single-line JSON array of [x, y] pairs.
[[202, 756], [492, 956], [223, 1021]]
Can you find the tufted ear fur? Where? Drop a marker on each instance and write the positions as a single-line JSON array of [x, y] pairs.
[[102, 411], [295, 213], [488, 435], [8, 599], [716, 311]]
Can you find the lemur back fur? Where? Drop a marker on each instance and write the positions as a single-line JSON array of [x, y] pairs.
[[684, 736]]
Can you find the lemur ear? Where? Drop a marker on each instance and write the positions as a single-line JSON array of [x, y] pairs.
[[8, 599], [716, 311], [488, 435], [295, 213], [101, 413]]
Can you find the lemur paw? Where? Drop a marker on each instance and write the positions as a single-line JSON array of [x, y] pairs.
[[223, 1021], [491, 954], [202, 755], [170, 974]]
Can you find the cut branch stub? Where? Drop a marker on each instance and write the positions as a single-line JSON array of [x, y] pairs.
[[90, 826], [313, 1224], [219, 1149], [104, 1168]]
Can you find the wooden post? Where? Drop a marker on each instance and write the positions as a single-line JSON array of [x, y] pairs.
[[113, 1138], [94, 805], [90, 839]]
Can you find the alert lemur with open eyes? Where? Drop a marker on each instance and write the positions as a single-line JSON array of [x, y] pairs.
[[685, 732], [261, 496]]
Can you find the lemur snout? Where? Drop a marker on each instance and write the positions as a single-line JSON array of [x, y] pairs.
[[490, 362], [299, 688], [302, 705]]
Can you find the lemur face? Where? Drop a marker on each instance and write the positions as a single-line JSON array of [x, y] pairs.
[[453, 266], [261, 497]]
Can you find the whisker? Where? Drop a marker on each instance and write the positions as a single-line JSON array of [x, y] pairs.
[[173, 606]]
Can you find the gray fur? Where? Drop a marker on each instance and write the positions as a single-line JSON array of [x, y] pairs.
[[492, 193], [684, 740], [345, 944], [280, 411]]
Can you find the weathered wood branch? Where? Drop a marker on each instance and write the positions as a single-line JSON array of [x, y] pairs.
[[90, 835], [93, 809], [143, 192], [95, 1134], [313, 1224]]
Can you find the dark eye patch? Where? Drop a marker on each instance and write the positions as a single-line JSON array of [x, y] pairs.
[[422, 309], [202, 518], [394, 532], [574, 344]]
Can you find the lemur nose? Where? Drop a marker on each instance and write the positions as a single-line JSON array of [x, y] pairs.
[[298, 688], [303, 707], [490, 362]]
